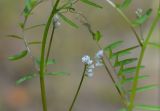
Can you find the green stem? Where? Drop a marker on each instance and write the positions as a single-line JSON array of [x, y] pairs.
[[110, 74], [119, 89], [135, 82], [50, 44], [127, 20], [79, 87], [42, 64]]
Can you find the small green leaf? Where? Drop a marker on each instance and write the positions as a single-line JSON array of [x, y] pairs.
[[57, 73], [34, 42], [18, 56], [71, 23], [34, 26], [126, 61], [146, 88], [98, 36], [88, 2], [21, 25], [119, 54], [132, 78], [29, 5], [113, 45], [156, 45], [15, 36], [125, 4], [130, 70], [50, 61], [143, 18], [148, 107], [25, 78]]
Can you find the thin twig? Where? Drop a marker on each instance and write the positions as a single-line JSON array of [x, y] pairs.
[[50, 43], [79, 87]]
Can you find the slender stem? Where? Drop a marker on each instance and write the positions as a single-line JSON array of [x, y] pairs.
[[127, 20], [135, 82], [50, 43], [79, 87], [42, 64], [110, 74]]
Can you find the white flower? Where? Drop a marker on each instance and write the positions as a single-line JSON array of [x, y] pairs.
[[139, 12], [100, 54], [86, 59], [90, 70], [99, 63], [56, 20], [89, 74], [98, 58], [57, 24], [90, 66]]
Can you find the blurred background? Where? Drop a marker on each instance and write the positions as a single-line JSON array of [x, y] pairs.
[[98, 93]]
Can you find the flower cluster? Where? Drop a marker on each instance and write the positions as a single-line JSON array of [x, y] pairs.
[[90, 66], [98, 58], [56, 21]]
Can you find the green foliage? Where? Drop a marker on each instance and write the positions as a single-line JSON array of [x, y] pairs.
[[113, 45], [143, 18], [119, 66], [128, 80], [34, 42], [156, 45], [50, 61], [29, 5], [130, 70], [18, 56], [147, 107], [97, 36], [25, 78], [15, 36], [88, 2], [125, 4], [57, 73], [119, 54], [125, 62], [146, 88], [70, 22], [34, 26]]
